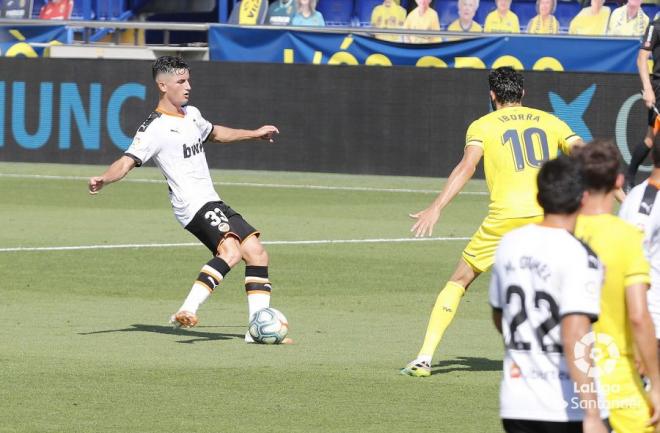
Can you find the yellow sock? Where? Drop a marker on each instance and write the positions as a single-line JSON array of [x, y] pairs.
[[443, 313]]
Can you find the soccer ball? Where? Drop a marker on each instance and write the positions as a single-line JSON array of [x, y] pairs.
[[268, 326]]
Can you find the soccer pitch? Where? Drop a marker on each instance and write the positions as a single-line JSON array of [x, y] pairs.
[[85, 345]]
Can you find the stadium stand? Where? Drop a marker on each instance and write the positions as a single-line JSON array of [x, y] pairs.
[[363, 9], [565, 12], [485, 7], [337, 12], [447, 12]]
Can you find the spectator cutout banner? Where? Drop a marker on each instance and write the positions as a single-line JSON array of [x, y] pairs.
[[239, 44], [17, 42]]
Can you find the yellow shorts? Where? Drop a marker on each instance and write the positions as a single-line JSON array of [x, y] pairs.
[[480, 251], [626, 399]]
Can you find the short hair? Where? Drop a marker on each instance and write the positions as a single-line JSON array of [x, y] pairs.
[[168, 65], [507, 84], [553, 8], [655, 153], [476, 3], [560, 186], [601, 164]]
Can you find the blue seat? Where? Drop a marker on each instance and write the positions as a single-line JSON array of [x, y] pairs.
[[651, 10], [336, 12], [447, 11], [566, 12], [363, 9], [525, 11], [485, 7]]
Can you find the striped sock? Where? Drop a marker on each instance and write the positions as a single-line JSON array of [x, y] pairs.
[[211, 275], [257, 288]]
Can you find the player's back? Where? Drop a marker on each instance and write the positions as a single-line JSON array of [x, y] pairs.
[[516, 141], [540, 275], [619, 246]]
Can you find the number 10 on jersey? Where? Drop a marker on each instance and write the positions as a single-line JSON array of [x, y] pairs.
[[525, 147]]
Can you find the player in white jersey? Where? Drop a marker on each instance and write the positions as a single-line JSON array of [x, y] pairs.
[[173, 136], [642, 209], [545, 292]]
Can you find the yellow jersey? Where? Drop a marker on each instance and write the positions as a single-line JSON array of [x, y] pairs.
[[538, 26], [585, 23], [428, 21], [457, 27], [388, 17], [619, 246], [496, 24], [516, 141]]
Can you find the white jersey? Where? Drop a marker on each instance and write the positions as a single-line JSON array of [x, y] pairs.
[[175, 142], [641, 208], [540, 275]]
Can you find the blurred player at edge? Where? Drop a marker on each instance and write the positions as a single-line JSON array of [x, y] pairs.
[[642, 209], [546, 275], [514, 141], [174, 135], [624, 322], [650, 95]]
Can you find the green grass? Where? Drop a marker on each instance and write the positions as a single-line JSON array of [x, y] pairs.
[[85, 346]]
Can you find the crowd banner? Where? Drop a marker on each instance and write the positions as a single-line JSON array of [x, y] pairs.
[[30, 41], [278, 45]]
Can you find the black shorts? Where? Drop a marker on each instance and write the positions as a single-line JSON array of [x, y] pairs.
[[215, 221], [656, 90], [530, 426]]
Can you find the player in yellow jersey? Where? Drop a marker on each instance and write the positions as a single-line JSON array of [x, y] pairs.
[[514, 141], [624, 322]]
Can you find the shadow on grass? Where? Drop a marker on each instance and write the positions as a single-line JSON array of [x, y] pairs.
[[463, 363], [168, 330]]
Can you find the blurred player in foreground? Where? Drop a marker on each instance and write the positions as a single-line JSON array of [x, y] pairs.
[[624, 322], [545, 293], [650, 95], [173, 136], [514, 141], [642, 209]]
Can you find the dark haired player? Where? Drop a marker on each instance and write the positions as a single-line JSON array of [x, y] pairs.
[[624, 316], [650, 95], [545, 293], [173, 136], [514, 141]]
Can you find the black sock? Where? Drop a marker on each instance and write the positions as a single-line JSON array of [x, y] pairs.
[[639, 154]]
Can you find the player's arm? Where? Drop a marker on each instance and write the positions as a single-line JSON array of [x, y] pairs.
[[573, 328], [463, 172], [643, 332], [115, 172], [223, 134]]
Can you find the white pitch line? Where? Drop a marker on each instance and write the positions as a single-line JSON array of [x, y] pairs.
[[252, 184], [196, 244]]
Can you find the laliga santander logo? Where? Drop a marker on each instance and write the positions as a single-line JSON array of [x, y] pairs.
[[589, 354]]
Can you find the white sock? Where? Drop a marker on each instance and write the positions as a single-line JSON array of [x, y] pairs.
[[256, 302], [198, 294], [424, 358]]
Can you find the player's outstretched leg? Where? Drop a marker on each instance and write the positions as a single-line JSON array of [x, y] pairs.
[[257, 284], [639, 154], [211, 275], [442, 315]]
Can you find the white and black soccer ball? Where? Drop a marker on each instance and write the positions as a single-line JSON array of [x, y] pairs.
[[268, 326]]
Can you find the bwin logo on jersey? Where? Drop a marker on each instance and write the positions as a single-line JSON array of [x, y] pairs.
[[189, 151]]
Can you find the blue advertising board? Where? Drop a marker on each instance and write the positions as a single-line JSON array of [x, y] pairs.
[[244, 44]]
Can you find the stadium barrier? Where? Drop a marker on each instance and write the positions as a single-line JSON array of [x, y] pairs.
[[392, 121]]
